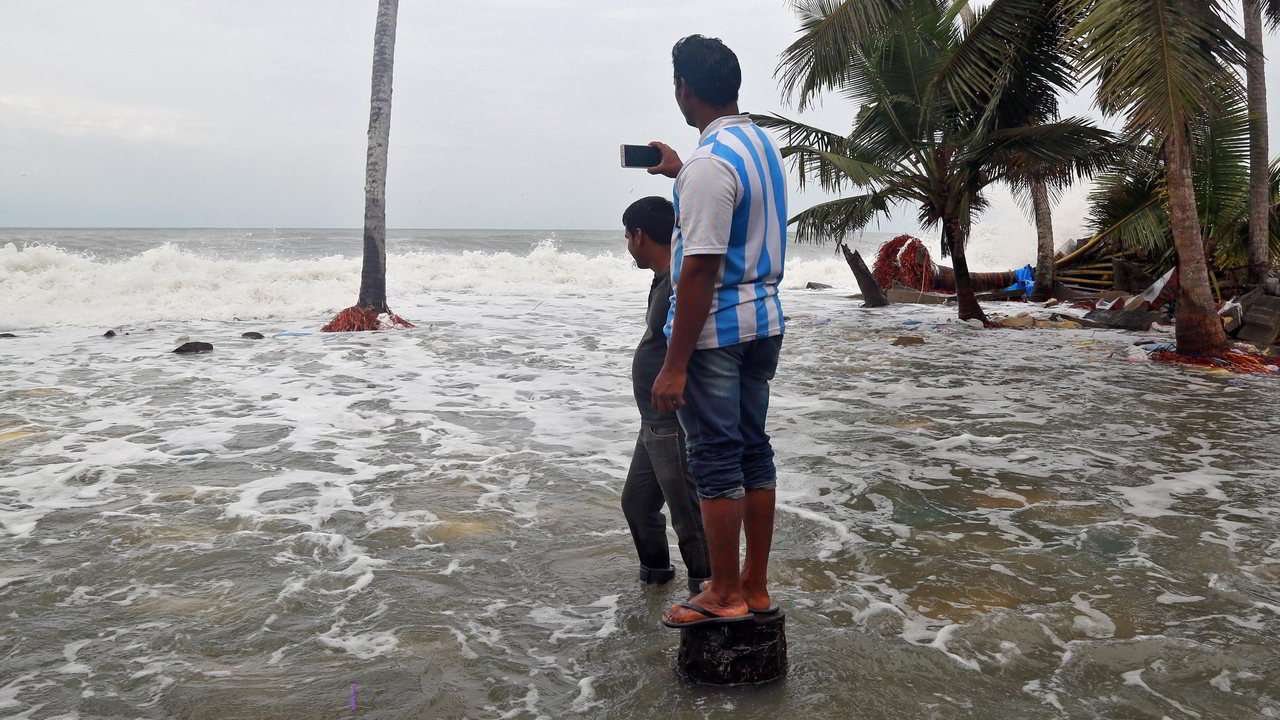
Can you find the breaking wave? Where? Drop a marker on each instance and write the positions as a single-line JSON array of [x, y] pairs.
[[44, 285]]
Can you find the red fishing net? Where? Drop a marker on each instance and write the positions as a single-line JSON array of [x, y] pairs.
[[358, 319], [905, 260], [1237, 361]]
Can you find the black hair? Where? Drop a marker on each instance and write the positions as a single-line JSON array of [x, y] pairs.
[[654, 215], [709, 68]]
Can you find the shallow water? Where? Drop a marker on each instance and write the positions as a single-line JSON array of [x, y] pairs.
[[993, 524]]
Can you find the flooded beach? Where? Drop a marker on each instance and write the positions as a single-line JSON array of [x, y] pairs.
[[426, 523]]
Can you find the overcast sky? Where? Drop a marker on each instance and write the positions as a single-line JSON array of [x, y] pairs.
[[507, 113]]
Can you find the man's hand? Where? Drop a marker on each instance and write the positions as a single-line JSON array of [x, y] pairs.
[[668, 390], [670, 163]]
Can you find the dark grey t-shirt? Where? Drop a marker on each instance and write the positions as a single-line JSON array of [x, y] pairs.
[[652, 351]]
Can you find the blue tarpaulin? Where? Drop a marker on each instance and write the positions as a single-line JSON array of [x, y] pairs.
[[1026, 281]]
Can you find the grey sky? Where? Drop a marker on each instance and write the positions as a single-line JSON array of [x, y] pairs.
[[507, 113]]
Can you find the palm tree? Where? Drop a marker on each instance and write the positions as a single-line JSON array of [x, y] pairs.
[[945, 113], [372, 300], [1160, 63], [1129, 205], [1259, 157]]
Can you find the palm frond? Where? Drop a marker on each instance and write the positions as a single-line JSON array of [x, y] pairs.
[[1158, 62], [829, 29], [838, 219], [1056, 152]]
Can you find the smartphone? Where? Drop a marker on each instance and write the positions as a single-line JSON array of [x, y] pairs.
[[640, 156]]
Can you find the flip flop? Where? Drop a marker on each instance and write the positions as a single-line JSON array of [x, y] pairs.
[[710, 617], [773, 609]]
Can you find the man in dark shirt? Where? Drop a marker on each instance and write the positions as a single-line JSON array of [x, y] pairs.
[[659, 472]]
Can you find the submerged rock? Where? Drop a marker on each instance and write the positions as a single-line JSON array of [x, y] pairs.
[[193, 347], [7, 335], [817, 286], [908, 341], [253, 336], [109, 334]]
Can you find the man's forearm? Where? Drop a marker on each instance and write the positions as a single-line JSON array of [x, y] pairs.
[[693, 305]]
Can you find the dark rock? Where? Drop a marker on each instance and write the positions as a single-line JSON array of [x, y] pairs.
[[193, 347], [253, 336], [817, 286], [7, 335], [872, 294], [1261, 322], [109, 333], [908, 341], [1137, 320], [751, 652]]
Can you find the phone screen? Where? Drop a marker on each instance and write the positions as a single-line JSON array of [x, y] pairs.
[[640, 156]]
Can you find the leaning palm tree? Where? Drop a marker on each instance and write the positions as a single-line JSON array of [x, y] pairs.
[[370, 311], [1129, 206], [943, 114], [1255, 73], [1161, 63]]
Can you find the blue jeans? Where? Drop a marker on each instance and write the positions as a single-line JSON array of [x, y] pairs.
[[726, 403]]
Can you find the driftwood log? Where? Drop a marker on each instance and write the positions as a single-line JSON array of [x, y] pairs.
[[753, 652], [872, 294]]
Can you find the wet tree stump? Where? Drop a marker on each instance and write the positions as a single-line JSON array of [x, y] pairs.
[[872, 294], [743, 653]]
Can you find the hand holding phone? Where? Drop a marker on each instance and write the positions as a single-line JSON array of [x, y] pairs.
[[657, 157], [640, 156]]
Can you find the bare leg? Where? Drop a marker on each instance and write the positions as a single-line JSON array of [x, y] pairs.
[[757, 519], [722, 519]]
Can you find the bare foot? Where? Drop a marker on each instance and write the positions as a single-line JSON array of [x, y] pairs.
[[756, 595], [713, 603]]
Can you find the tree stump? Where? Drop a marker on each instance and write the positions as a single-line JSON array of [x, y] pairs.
[[752, 652], [872, 295]]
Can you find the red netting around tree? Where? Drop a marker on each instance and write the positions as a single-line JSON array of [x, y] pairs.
[[905, 260], [359, 319], [1236, 361]]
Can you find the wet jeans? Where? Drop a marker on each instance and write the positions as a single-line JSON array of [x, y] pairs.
[[659, 475], [726, 403]]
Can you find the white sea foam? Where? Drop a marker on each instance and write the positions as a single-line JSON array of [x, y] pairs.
[[43, 286]]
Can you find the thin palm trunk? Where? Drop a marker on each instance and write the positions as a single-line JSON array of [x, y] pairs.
[[1199, 329], [954, 232], [1259, 172], [373, 274], [1044, 241]]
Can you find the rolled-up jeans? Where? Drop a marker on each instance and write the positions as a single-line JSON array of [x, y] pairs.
[[726, 404], [659, 474]]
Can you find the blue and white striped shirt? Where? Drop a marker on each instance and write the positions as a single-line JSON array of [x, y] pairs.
[[731, 200]]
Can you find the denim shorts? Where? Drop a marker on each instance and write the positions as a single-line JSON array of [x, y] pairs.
[[726, 403]]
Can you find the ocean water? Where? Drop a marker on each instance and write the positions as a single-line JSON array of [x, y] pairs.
[[425, 523]]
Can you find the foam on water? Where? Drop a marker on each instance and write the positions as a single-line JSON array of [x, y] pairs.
[[434, 512], [43, 286]]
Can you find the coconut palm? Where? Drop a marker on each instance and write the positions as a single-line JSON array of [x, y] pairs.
[[372, 300], [1129, 205], [1259, 200], [1160, 63], [945, 113]]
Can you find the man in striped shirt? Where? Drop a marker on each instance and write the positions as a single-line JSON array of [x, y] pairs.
[[726, 324]]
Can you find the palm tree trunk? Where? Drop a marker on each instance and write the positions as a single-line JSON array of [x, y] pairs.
[[1199, 329], [1259, 160], [1044, 241], [373, 274], [953, 231]]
